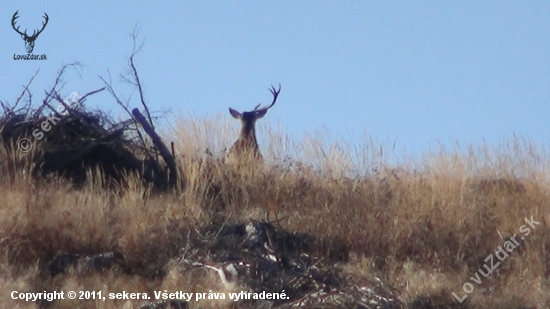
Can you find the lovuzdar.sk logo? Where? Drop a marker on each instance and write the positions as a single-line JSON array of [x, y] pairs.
[[29, 39]]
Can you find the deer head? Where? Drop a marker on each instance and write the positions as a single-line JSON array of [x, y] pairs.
[[29, 40], [247, 140]]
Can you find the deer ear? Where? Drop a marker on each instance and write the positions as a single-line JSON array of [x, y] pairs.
[[261, 113], [235, 114]]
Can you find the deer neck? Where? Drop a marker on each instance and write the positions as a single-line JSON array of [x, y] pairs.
[[248, 133]]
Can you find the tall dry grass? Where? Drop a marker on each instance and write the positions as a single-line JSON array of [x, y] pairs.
[[425, 225]]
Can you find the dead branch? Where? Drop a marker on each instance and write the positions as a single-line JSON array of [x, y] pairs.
[[50, 95], [157, 141], [89, 94], [136, 82], [119, 102], [25, 89]]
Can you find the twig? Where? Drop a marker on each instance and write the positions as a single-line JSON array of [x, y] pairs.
[[137, 82], [223, 225], [124, 106], [51, 94], [89, 94], [113, 93], [25, 89]]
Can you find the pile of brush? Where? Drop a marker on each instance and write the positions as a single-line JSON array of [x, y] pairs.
[[70, 141]]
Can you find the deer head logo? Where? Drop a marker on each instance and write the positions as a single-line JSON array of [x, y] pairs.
[[29, 40]]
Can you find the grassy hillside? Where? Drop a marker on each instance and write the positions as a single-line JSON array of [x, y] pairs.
[[424, 226]]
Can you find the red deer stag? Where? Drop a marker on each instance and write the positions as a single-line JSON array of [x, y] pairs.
[[247, 145]]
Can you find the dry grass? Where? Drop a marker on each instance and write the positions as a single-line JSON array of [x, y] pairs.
[[424, 226]]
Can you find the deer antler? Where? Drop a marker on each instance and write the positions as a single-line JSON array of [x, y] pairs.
[[34, 34], [275, 95], [43, 25], [13, 24]]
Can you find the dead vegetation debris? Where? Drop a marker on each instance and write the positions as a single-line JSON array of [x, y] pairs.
[[69, 140], [258, 257]]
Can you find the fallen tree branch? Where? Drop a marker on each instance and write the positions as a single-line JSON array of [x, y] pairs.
[[164, 152]]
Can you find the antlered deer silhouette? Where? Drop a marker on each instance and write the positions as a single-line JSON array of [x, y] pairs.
[[29, 40], [247, 144]]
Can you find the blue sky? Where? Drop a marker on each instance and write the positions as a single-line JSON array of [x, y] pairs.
[[412, 73]]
